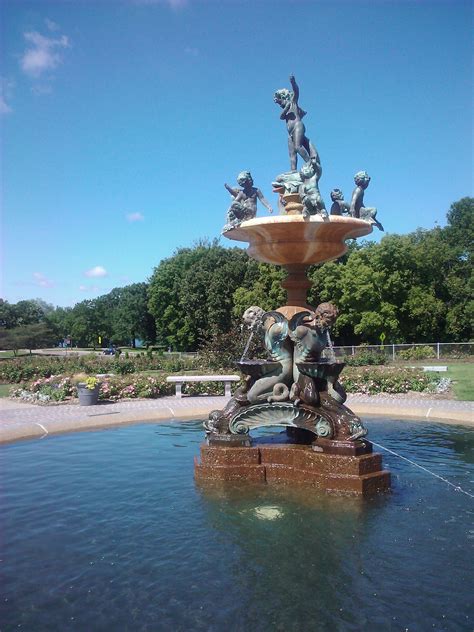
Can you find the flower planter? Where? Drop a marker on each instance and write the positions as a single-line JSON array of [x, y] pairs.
[[88, 396]]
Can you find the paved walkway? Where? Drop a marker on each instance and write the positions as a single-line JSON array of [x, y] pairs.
[[20, 420]]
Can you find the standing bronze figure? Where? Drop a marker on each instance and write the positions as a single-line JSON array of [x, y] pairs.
[[292, 114]]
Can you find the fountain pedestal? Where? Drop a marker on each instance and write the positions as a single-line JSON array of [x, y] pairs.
[[296, 242], [329, 452], [296, 285], [356, 475], [298, 388]]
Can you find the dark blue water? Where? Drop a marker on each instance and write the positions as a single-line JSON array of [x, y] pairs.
[[108, 531]]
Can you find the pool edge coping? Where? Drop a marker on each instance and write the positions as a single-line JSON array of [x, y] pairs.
[[23, 430]]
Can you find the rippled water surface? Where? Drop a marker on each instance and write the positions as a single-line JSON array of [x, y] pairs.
[[108, 531]]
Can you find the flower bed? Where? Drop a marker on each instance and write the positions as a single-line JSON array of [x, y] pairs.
[[19, 370], [369, 380], [55, 388]]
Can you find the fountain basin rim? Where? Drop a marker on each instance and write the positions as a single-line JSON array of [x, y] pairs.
[[299, 219], [257, 368], [296, 240]]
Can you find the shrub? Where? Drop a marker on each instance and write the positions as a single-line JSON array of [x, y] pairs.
[[366, 358], [417, 353], [222, 350], [59, 388], [134, 386], [455, 354], [55, 388], [17, 370], [386, 380], [203, 388]]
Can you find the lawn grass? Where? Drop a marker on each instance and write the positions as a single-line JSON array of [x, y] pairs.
[[462, 375], [10, 354]]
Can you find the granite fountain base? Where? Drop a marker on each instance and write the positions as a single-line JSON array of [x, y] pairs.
[[345, 469]]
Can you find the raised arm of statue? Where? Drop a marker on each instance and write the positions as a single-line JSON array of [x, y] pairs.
[[296, 90], [233, 192], [265, 203]]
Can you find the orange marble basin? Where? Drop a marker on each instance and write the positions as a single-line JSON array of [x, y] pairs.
[[296, 240]]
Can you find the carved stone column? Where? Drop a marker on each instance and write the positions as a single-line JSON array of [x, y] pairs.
[[296, 285]]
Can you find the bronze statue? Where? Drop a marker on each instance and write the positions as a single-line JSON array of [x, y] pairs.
[[298, 387], [309, 332], [339, 205], [274, 386], [313, 203], [288, 182], [357, 208], [244, 206], [292, 114]]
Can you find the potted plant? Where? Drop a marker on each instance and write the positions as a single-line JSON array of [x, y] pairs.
[[88, 391]]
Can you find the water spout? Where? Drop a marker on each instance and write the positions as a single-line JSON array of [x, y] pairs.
[[332, 355], [253, 328], [252, 331], [458, 488]]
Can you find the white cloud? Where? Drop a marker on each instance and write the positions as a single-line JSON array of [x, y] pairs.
[[5, 92], [52, 26], [43, 53], [135, 217], [97, 271], [41, 280], [4, 107], [89, 288]]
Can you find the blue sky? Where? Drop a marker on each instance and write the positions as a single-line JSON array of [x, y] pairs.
[[121, 121]]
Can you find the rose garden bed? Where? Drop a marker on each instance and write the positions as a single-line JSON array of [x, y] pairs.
[[366, 380]]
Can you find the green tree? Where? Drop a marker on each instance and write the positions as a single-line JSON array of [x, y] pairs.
[[413, 288], [130, 317], [459, 232], [32, 336], [60, 321], [28, 312], [459, 279], [84, 324], [7, 314], [191, 293], [262, 287]]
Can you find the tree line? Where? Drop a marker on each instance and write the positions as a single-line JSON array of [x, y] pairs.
[[407, 288]]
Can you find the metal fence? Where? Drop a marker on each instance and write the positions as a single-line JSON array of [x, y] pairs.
[[405, 351], [422, 351]]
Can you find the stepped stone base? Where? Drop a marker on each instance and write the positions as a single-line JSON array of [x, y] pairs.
[[351, 474]]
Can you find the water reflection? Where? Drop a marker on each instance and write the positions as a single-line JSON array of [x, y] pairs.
[[299, 559], [108, 531]]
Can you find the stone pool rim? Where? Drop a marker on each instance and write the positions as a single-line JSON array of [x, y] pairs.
[[20, 420]]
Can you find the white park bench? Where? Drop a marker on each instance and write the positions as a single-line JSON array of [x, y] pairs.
[[179, 380]]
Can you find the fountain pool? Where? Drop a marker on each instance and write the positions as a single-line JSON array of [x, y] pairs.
[[108, 531]]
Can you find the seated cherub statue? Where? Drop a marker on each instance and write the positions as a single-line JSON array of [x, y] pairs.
[[339, 205], [357, 208], [244, 206], [313, 203]]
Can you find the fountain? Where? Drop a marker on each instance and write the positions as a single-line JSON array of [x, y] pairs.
[[297, 387]]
